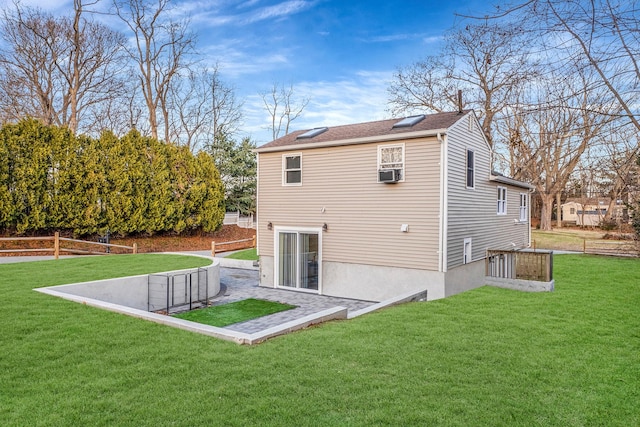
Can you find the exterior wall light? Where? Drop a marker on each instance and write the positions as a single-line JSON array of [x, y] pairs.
[[269, 226], [325, 227]]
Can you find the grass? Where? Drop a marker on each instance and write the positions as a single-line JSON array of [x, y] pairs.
[[235, 312], [488, 357], [564, 239], [247, 254]]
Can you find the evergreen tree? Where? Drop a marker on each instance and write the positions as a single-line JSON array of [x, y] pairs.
[[51, 179], [238, 168]]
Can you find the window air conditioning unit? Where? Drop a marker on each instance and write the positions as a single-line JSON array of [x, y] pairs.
[[389, 176]]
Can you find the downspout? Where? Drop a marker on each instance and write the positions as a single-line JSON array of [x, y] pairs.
[[531, 191], [442, 232], [257, 203]]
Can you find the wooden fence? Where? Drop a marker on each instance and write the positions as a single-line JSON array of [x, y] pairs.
[[237, 244], [611, 247], [82, 247], [524, 265]]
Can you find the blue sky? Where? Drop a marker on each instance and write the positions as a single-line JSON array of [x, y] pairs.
[[339, 54]]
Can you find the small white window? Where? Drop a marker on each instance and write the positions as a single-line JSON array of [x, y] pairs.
[[502, 200], [466, 256], [292, 169], [391, 157], [523, 207], [471, 169]]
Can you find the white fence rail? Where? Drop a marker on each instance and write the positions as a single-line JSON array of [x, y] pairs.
[[242, 221]]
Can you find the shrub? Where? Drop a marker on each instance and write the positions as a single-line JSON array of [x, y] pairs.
[[52, 179]]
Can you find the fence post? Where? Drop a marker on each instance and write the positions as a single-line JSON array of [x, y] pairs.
[[213, 248], [135, 248], [56, 245], [584, 246], [254, 241]]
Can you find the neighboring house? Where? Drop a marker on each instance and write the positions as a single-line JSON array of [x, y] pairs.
[[591, 211], [374, 210]]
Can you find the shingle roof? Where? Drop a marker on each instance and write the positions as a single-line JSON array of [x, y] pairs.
[[366, 130]]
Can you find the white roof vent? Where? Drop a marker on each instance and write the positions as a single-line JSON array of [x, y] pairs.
[[409, 121]]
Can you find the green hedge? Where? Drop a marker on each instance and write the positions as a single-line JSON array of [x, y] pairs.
[[53, 180]]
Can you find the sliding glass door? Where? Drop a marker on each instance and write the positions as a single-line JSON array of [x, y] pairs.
[[298, 259]]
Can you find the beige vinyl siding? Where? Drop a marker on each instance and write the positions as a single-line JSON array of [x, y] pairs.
[[363, 216], [473, 213]]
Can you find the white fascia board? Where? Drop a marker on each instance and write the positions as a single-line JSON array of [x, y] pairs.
[[355, 141]]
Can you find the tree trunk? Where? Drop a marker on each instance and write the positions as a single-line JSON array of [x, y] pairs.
[[547, 209], [559, 210]]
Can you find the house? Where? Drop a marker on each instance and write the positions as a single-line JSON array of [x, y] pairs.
[[590, 211], [374, 210]]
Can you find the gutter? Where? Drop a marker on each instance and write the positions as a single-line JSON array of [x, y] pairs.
[[506, 180], [354, 141]]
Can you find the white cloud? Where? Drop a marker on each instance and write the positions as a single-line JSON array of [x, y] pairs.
[[48, 5], [202, 12], [361, 97], [283, 9], [236, 59], [432, 39]]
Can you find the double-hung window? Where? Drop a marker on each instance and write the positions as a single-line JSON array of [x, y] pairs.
[[523, 207], [502, 201], [471, 169], [292, 169], [392, 157]]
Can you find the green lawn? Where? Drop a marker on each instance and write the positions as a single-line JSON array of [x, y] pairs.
[[247, 254], [488, 357], [235, 312]]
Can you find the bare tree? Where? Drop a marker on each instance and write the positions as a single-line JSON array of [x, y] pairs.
[[69, 67], [30, 83], [618, 164], [226, 109], [551, 126], [282, 107], [160, 50], [486, 61], [203, 109], [600, 34]]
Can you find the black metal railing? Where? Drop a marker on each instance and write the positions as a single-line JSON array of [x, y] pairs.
[[178, 291]]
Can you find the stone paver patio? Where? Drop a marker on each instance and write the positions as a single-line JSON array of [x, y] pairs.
[[238, 284]]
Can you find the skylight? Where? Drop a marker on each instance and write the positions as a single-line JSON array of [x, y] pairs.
[[409, 121], [311, 133]]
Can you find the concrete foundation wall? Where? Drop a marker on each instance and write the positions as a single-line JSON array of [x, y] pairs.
[[267, 271], [521, 285], [132, 291], [465, 277], [367, 282], [377, 283]]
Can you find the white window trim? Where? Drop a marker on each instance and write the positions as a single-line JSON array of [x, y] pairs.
[[466, 168], [276, 257], [465, 259], [380, 148], [502, 203], [524, 217], [284, 170]]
